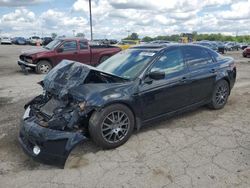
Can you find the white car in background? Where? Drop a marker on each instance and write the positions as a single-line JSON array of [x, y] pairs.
[[6, 40], [34, 40]]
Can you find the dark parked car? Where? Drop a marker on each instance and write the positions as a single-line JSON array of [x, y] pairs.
[[19, 41], [246, 52], [220, 47], [244, 46], [46, 40], [208, 45], [76, 49], [160, 42], [230, 46], [125, 92], [216, 46]]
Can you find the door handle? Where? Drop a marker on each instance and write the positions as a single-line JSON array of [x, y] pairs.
[[75, 52], [183, 79], [213, 70]]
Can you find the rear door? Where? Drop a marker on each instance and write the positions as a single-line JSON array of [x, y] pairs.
[[172, 93], [69, 50], [202, 72], [84, 55]]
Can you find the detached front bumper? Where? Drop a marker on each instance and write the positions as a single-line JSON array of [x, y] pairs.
[[51, 146]]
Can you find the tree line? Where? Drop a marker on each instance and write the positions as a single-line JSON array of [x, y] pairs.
[[196, 37]]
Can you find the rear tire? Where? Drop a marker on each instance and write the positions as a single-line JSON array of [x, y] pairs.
[[112, 126], [220, 95], [43, 67]]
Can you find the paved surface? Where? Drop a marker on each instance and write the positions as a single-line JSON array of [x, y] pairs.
[[203, 148]]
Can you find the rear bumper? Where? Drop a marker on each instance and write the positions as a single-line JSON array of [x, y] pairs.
[[55, 146]]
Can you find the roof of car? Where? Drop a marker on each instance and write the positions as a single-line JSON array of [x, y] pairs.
[[150, 46], [158, 47], [72, 38]]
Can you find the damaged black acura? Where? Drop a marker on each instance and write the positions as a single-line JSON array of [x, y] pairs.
[[123, 93]]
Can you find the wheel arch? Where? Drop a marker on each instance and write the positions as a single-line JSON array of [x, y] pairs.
[[44, 59]]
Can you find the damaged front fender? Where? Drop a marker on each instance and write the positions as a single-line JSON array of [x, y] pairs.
[[54, 145]]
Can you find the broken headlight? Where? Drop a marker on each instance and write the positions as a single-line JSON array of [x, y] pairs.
[[29, 60], [82, 105]]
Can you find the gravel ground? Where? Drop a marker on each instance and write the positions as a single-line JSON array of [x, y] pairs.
[[202, 148]]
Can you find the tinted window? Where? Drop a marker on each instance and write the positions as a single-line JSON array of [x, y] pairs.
[[83, 45], [170, 62], [216, 56], [69, 46], [196, 57]]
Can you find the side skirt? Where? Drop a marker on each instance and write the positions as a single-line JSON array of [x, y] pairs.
[[176, 112]]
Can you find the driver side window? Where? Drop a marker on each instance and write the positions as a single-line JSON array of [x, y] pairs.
[[170, 62], [69, 46]]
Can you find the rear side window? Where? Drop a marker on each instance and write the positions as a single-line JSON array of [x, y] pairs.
[[170, 62], [83, 45], [217, 57], [197, 57]]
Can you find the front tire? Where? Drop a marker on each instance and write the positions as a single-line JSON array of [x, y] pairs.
[[43, 67], [220, 95], [112, 126]]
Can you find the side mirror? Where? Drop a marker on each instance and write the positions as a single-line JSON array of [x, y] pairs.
[[156, 75], [59, 50]]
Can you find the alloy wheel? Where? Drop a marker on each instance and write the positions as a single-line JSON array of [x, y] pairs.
[[115, 126], [221, 94]]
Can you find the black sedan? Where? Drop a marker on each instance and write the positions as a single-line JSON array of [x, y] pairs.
[[125, 92]]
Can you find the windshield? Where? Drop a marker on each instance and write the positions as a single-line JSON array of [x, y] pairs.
[[127, 64], [53, 44]]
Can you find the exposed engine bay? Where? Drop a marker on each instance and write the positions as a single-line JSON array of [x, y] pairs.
[[57, 114]]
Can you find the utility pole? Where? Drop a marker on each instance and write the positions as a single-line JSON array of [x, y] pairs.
[[128, 32], [90, 20]]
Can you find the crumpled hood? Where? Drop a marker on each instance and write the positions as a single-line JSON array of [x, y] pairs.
[[68, 76], [34, 51]]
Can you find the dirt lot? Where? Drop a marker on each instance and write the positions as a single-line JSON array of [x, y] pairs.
[[203, 148]]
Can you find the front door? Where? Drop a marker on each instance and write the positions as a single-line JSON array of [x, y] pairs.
[[68, 50], [159, 97]]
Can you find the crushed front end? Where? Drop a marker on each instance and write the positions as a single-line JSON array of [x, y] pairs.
[[56, 121], [51, 128]]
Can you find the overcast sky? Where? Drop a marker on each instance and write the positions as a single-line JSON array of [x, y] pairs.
[[115, 18]]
